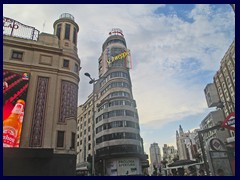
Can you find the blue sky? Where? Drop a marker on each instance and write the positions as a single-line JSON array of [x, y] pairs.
[[176, 50]]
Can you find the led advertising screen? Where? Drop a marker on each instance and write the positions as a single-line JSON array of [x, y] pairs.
[[15, 87]]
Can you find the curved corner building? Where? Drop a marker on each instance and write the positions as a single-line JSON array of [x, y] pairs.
[[42, 69], [118, 148]]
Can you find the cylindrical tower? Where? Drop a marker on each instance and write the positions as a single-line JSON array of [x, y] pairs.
[[66, 29], [118, 141]]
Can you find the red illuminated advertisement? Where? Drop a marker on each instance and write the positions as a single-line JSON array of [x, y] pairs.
[[15, 86]]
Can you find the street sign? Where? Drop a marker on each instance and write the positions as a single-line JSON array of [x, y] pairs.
[[229, 122]]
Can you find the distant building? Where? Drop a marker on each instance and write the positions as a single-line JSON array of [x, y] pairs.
[[169, 153], [186, 144], [155, 156], [181, 146]]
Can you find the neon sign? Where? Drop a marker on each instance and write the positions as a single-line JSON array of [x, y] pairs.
[[119, 56], [126, 55]]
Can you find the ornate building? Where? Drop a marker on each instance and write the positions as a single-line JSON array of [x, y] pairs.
[[51, 64], [169, 153]]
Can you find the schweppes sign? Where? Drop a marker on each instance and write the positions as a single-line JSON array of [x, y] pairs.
[[119, 56]]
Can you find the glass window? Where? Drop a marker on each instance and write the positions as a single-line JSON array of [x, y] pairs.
[[75, 35], [60, 138], [76, 68], [67, 31], [59, 27], [66, 63], [73, 141], [17, 55], [233, 76]]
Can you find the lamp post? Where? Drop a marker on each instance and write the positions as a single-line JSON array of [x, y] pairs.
[[93, 81]]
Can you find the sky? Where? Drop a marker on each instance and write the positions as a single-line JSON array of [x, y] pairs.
[[176, 50]]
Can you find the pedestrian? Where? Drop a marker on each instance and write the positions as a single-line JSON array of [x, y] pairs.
[[192, 171], [201, 172], [220, 172]]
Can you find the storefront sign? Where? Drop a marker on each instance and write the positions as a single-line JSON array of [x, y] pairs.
[[229, 122]]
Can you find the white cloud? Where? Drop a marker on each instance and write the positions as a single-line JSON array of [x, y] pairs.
[[161, 47]]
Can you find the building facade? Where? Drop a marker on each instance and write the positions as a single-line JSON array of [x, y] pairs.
[[115, 141], [211, 120], [51, 65], [224, 81], [155, 157], [169, 153], [181, 145]]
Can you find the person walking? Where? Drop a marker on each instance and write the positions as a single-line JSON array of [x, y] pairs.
[[201, 172]]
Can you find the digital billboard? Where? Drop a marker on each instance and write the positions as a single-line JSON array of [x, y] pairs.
[[15, 87]]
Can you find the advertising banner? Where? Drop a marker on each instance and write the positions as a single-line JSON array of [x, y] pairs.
[[117, 54], [123, 167], [15, 87]]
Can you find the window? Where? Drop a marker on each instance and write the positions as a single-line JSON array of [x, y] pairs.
[[76, 68], [89, 146], [60, 138], [66, 63], [67, 31], [17, 55], [73, 141], [75, 36], [59, 26]]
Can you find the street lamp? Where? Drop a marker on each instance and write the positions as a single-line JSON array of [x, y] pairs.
[[93, 81]]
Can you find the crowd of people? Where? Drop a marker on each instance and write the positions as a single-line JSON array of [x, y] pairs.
[[190, 171]]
